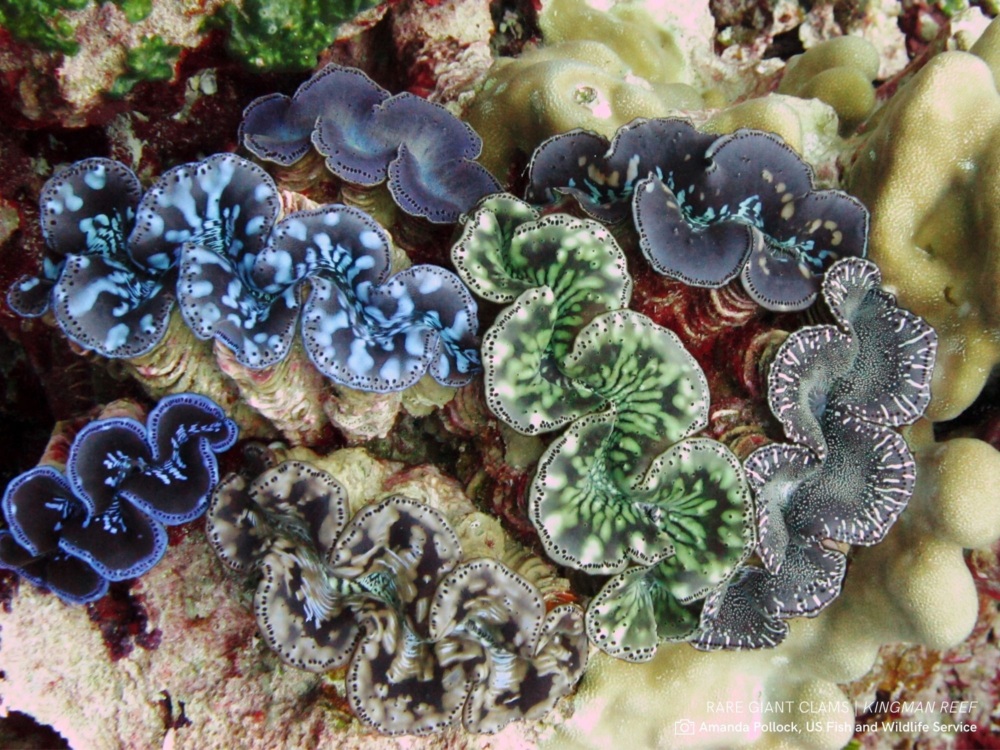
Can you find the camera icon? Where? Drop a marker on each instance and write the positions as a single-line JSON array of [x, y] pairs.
[[684, 727]]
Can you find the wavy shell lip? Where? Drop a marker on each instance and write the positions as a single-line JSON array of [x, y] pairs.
[[429, 641], [212, 218], [533, 657], [87, 209], [493, 654], [603, 175], [236, 531], [876, 364], [427, 693], [895, 353], [735, 617], [750, 611], [239, 275], [695, 495], [35, 525], [103, 300], [104, 519], [68, 577], [708, 209], [385, 338], [506, 253], [755, 181], [801, 376], [838, 390], [703, 256], [217, 301], [482, 252], [360, 327], [113, 308], [774, 473], [810, 579], [424, 153], [623, 485], [860, 504], [418, 146], [811, 232], [224, 203], [278, 128], [297, 616], [29, 296], [404, 539], [292, 499], [638, 641]]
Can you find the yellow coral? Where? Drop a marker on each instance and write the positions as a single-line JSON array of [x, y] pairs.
[[599, 71], [930, 175], [838, 72], [628, 31]]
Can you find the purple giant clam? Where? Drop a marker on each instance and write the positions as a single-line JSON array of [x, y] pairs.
[[369, 137], [709, 209], [102, 520]]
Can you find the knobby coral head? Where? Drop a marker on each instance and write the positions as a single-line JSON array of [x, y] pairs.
[[429, 640], [103, 519]]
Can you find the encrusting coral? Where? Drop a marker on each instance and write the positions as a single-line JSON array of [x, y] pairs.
[[283, 35]]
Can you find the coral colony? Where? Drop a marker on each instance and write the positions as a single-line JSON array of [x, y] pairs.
[[634, 515]]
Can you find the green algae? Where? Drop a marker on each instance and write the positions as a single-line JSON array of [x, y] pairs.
[[152, 60], [285, 35], [41, 23]]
